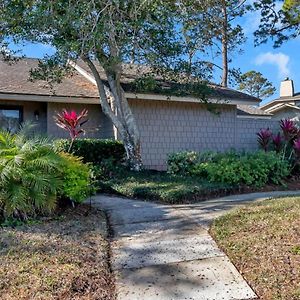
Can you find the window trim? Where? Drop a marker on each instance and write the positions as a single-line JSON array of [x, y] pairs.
[[14, 107]]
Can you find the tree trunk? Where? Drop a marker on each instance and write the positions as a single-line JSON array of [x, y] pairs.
[[224, 45], [133, 153], [119, 112]]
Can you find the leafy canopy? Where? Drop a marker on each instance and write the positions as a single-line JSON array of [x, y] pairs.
[[113, 32], [280, 21]]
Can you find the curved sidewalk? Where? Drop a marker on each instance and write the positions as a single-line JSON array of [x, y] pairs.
[[164, 252]]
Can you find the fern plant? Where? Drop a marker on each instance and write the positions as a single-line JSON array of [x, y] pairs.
[[29, 174]]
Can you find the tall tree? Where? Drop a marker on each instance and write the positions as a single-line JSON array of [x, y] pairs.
[[212, 27], [280, 21], [101, 33], [256, 85]]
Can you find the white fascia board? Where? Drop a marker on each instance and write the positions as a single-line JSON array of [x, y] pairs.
[[85, 100], [275, 109], [275, 102], [254, 117], [83, 72], [156, 97], [47, 98]]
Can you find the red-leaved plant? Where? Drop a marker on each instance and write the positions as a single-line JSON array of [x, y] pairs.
[[264, 138], [296, 147], [286, 142], [277, 141], [289, 129], [71, 122]]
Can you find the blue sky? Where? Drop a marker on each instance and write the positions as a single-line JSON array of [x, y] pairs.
[[274, 64]]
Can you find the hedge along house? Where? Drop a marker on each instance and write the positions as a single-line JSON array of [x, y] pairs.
[[167, 123]]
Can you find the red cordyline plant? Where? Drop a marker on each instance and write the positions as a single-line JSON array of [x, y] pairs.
[[71, 122], [277, 141], [289, 129], [296, 147], [264, 138]]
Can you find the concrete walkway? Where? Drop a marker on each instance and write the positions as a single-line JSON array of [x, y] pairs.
[[164, 252]]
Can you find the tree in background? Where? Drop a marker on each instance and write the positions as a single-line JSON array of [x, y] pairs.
[[105, 35], [280, 23], [256, 85], [211, 28]]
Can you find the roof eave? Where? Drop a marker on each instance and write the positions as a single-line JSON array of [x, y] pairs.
[[95, 100], [48, 98], [278, 108], [159, 97], [254, 117]]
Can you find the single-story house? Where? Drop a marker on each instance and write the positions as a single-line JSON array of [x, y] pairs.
[[287, 106], [166, 123]]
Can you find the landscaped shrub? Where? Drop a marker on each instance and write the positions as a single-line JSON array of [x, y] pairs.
[[77, 184], [33, 176], [93, 150], [29, 175], [183, 163], [257, 168], [286, 142]]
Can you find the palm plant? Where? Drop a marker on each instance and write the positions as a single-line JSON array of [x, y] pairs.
[[29, 174]]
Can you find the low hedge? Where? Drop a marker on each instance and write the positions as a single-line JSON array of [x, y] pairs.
[[76, 179], [93, 151], [252, 169]]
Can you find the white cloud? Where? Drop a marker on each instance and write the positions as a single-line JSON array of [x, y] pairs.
[[280, 60]]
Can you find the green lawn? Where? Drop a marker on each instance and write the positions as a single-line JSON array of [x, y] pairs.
[[263, 241], [63, 257], [162, 187]]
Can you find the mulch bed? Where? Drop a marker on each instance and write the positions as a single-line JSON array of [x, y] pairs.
[[293, 184]]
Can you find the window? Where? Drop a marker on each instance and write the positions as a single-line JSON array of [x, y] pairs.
[[11, 118]]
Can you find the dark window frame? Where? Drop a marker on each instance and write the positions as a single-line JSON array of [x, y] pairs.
[[16, 108]]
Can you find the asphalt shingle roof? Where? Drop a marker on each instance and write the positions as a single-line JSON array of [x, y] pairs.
[[14, 79], [246, 110]]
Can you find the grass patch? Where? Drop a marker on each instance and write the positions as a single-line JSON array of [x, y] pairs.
[[64, 257], [263, 241], [162, 187]]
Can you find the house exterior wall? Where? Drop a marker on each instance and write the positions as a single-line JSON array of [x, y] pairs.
[[246, 129], [98, 125], [167, 127], [29, 108], [287, 113]]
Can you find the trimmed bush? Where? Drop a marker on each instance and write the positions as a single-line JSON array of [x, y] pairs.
[[76, 178], [253, 169], [93, 151], [183, 163]]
